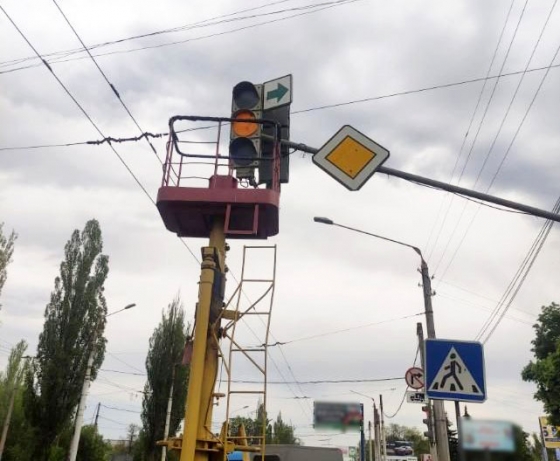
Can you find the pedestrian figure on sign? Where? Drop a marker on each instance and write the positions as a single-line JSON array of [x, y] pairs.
[[453, 368]]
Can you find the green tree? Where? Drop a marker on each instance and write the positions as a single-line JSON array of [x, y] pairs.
[[545, 370], [10, 387], [278, 432], [75, 313], [283, 433], [92, 446], [162, 363], [6, 252], [394, 432]]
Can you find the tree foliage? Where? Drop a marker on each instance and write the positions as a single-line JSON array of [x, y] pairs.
[[74, 324], [6, 252], [420, 444], [162, 363], [10, 394], [545, 370], [277, 432], [92, 446]]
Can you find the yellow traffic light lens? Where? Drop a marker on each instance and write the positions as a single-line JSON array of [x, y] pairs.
[[244, 129]]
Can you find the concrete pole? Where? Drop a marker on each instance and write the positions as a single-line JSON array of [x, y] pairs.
[[82, 404], [439, 410], [97, 414], [168, 415], [7, 422], [377, 433], [383, 439]]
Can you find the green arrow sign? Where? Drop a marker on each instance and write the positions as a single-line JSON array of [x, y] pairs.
[[278, 93]]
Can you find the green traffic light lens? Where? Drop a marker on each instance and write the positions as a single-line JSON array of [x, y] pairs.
[[242, 152]]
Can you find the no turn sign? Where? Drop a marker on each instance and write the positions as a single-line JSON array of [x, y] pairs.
[[414, 377]]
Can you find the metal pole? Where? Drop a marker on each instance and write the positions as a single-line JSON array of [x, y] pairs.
[[168, 415], [370, 457], [7, 422], [445, 186], [82, 404], [459, 432], [362, 436], [420, 334], [383, 439]]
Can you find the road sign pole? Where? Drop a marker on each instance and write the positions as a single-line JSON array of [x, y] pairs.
[[442, 441], [445, 186]]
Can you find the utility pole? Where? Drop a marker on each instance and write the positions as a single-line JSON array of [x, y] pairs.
[[362, 436], [376, 433], [82, 404], [439, 410], [383, 439], [168, 415], [97, 414], [7, 421]]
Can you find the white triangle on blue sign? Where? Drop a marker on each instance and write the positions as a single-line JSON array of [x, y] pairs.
[[454, 376]]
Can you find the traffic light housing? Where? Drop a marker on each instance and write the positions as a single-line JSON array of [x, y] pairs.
[[428, 421], [279, 115], [245, 136]]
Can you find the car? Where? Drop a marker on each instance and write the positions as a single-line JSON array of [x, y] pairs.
[[403, 448]]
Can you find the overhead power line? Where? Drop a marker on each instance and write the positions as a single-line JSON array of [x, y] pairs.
[[463, 143], [67, 91], [480, 125], [343, 330], [111, 86], [504, 157], [314, 8], [110, 140]]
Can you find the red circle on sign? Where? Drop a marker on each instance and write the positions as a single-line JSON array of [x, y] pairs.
[[414, 377]]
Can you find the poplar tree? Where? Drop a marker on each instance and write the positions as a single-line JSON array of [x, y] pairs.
[[6, 252], [163, 363], [74, 324]]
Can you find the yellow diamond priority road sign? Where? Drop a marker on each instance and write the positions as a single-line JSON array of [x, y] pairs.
[[350, 157]]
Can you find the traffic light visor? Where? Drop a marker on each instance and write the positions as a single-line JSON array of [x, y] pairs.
[[245, 95], [244, 129]]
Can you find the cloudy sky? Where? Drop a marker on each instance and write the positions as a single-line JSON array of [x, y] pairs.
[[498, 135]]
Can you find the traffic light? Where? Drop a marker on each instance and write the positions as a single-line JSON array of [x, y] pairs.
[[279, 115], [428, 421], [245, 136]]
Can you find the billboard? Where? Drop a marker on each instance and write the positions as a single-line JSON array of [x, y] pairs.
[[337, 415], [478, 434], [550, 434]]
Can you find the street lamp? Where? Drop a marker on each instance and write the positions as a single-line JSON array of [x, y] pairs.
[[85, 388], [378, 429], [441, 420], [239, 409], [128, 306]]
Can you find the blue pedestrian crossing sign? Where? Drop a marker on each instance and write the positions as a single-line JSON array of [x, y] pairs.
[[455, 370]]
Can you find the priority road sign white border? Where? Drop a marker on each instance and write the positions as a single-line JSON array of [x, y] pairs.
[[320, 158]]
